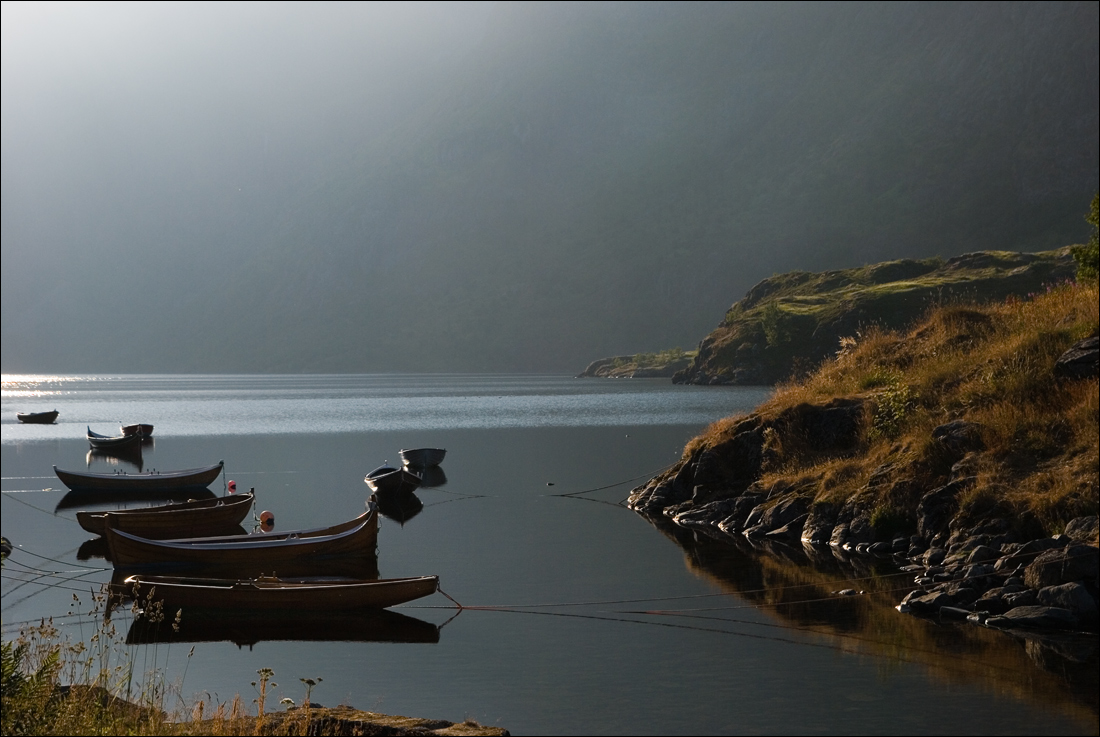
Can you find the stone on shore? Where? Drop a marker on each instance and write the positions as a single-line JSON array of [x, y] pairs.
[[1074, 563], [1039, 617], [1081, 361]]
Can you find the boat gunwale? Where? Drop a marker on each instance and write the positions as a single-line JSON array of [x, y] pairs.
[[228, 584], [190, 512], [254, 542], [144, 475]]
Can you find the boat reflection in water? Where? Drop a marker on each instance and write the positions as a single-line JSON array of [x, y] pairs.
[[115, 456], [432, 477], [357, 568], [104, 498], [243, 627], [399, 506], [94, 548]]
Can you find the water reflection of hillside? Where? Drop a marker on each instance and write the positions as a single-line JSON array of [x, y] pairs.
[[798, 586]]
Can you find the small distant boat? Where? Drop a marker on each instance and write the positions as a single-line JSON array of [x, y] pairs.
[[104, 442], [422, 457], [152, 481], [359, 537], [390, 480], [269, 592], [37, 418], [143, 430], [186, 519]]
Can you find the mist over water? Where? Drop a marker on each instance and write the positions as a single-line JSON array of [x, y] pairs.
[[320, 404]]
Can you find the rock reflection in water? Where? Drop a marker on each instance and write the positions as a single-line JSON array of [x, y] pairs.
[[799, 586], [248, 627]]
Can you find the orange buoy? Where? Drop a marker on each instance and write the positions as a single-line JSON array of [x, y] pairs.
[[232, 486], [267, 520]]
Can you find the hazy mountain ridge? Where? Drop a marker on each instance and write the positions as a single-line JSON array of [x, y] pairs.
[[591, 180]]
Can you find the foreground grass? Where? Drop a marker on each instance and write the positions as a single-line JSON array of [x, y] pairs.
[[52, 686], [986, 363]]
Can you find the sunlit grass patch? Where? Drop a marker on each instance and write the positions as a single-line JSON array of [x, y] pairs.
[[990, 364]]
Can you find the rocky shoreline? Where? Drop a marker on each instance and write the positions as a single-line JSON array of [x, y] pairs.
[[982, 566], [986, 575]]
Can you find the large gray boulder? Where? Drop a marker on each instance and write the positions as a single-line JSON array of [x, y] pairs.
[[819, 524], [707, 515], [960, 436], [1083, 529], [937, 507], [1040, 617], [1071, 596], [1081, 361], [1074, 563]]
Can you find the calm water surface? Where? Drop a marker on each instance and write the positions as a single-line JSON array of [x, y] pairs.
[[582, 647]]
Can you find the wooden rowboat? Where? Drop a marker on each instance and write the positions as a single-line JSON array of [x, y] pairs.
[[158, 481], [139, 429], [187, 519], [37, 418], [107, 442], [422, 457], [259, 551], [269, 592], [389, 480]]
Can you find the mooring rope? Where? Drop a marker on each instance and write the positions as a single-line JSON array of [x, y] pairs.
[[603, 602], [21, 549], [43, 511], [651, 474]]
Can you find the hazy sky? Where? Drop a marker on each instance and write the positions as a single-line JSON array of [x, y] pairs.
[[503, 186]]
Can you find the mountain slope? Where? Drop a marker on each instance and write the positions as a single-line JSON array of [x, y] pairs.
[[787, 324]]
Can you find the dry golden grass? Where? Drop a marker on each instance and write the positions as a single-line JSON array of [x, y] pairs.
[[101, 701], [991, 364]]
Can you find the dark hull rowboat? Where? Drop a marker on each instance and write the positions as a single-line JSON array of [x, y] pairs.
[[422, 457], [187, 519], [389, 480], [274, 593], [37, 418], [192, 478], [266, 551], [143, 430], [107, 442]]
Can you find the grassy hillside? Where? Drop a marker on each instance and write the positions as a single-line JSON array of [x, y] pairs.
[[788, 323], [866, 442]]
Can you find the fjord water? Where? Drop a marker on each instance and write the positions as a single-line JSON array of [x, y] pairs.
[[581, 648]]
